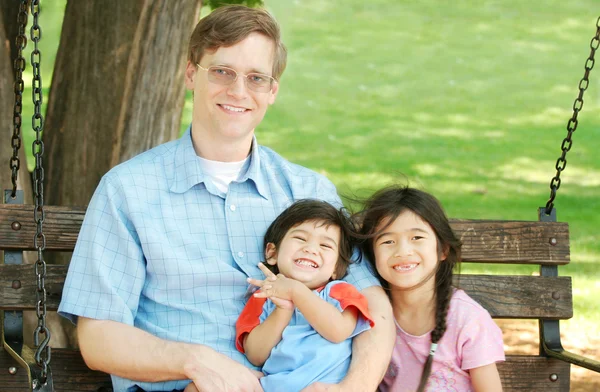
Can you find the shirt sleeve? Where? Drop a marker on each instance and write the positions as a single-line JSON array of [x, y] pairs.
[[252, 315], [107, 271], [344, 295], [481, 341]]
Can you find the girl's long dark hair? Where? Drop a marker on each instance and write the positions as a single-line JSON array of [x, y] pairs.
[[386, 205]]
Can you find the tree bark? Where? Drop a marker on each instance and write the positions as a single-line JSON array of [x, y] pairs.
[[117, 89], [9, 9], [8, 33]]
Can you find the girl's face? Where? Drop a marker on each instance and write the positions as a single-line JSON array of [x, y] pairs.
[[406, 252], [308, 253]]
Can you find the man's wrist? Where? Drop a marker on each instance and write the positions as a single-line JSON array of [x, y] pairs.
[[195, 355]]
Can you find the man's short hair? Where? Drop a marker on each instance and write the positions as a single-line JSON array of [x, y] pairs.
[[231, 24]]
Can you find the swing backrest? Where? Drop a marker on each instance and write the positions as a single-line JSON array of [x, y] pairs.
[[485, 241]]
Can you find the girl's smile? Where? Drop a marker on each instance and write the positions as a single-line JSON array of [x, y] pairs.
[[406, 251]]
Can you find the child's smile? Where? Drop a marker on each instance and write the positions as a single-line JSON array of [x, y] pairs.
[[406, 252], [309, 253]]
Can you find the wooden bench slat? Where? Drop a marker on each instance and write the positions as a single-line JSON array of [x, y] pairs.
[[513, 242], [518, 296], [61, 227], [518, 373], [69, 372], [527, 297], [532, 373]]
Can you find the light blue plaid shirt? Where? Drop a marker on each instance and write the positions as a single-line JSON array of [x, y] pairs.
[[165, 251]]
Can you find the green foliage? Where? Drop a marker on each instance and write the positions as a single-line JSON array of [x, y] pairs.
[[219, 3], [468, 100]]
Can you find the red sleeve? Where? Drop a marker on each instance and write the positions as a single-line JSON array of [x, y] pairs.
[[248, 320], [348, 295]]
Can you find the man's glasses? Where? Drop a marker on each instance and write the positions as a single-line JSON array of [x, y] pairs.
[[258, 82]]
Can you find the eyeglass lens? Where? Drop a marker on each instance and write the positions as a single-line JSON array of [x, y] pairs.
[[255, 81]]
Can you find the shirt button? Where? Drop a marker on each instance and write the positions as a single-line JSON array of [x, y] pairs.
[[232, 207], [241, 254]]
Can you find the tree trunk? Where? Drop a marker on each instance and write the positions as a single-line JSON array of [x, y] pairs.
[[8, 33], [117, 89]]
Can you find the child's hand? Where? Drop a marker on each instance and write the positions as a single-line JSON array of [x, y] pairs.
[[280, 287], [280, 302]]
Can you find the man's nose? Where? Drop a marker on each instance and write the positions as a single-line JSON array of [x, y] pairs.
[[238, 89]]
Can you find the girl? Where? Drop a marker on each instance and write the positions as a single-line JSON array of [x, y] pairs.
[[442, 334]]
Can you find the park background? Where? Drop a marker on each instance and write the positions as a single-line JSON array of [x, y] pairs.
[[468, 100]]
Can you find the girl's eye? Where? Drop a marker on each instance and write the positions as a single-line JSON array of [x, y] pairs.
[[417, 237], [388, 242], [327, 246], [299, 238]]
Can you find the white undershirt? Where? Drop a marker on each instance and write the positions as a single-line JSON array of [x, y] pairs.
[[221, 174]]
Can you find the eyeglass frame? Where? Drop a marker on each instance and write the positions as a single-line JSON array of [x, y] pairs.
[[272, 79]]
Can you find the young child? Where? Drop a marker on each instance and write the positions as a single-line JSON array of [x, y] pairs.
[[299, 325], [445, 340]]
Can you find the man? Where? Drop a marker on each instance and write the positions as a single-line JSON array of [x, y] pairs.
[[158, 275]]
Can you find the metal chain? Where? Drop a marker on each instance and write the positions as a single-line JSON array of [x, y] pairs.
[[42, 354], [19, 65], [561, 163]]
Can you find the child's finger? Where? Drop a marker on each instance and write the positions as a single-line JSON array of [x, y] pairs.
[[255, 282], [265, 270]]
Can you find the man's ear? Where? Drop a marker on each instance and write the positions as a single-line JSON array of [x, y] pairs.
[[190, 73], [273, 93], [271, 254]]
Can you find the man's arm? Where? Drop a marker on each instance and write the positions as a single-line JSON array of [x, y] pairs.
[[131, 353], [372, 349]]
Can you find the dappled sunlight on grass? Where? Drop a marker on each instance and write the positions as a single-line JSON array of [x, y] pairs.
[[526, 169]]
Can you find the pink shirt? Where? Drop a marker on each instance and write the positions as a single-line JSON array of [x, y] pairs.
[[472, 339]]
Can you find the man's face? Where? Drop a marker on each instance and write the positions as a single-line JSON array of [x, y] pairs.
[[229, 113]]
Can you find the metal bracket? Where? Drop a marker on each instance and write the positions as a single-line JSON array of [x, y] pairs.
[[550, 344], [13, 320], [11, 335]]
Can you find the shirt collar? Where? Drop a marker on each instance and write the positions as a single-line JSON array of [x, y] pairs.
[[188, 171]]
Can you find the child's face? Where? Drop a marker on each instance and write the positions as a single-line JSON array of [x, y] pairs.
[[308, 253], [406, 253]]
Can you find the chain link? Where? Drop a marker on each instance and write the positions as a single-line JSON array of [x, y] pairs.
[[19, 66], [567, 143], [42, 354]]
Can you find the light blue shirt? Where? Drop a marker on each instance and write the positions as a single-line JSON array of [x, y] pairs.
[[162, 249]]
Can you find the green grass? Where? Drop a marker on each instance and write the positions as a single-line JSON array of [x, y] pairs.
[[468, 100]]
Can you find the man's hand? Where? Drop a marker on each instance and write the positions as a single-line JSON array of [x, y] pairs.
[[215, 372]]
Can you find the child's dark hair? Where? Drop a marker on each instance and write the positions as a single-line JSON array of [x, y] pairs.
[[386, 205], [314, 210]]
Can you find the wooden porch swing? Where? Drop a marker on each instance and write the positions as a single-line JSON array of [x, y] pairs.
[[24, 227]]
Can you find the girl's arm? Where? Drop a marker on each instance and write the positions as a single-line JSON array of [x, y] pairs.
[[324, 317], [261, 340], [486, 378]]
